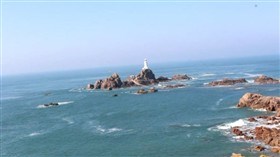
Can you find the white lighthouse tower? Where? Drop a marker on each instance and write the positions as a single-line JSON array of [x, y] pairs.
[[145, 65]]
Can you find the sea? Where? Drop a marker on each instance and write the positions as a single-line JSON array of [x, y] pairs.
[[193, 121]]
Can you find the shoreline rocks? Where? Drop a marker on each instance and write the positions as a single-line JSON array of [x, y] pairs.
[[143, 91], [226, 82], [258, 101], [266, 129]]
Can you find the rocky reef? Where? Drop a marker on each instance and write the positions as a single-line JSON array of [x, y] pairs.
[[181, 77], [266, 129], [226, 82], [265, 80], [144, 78]]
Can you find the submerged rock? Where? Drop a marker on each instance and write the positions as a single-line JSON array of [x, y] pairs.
[[226, 82], [163, 79], [181, 77], [258, 101], [51, 104], [265, 80], [142, 91], [175, 86], [259, 148]]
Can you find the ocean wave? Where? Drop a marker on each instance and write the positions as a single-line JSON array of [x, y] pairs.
[[68, 120], [229, 73], [207, 74], [250, 81], [102, 130], [238, 88], [10, 97], [243, 125], [185, 125], [59, 103], [34, 134], [252, 75], [219, 102]]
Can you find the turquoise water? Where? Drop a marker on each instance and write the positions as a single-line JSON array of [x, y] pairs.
[[174, 122]]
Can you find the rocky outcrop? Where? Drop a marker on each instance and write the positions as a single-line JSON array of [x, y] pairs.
[[145, 77], [181, 77], [258, 101], [270, 136], [163, 79], [265, 80], [111, 82], [265, 129], [226, 82]]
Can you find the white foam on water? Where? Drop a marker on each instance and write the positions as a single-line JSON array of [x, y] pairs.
[[35, 134], [65, 102], [251, 75], [186, 125], [238, 88], [10, 97], [208, 74], [261, 110], [69, 121], [230, 73], [237, 123], [250, 81], [106, 131], [219, 102]]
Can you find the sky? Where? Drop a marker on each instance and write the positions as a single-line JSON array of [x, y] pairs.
[[51, 36]]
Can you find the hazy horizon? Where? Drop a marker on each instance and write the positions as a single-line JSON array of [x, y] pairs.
[[44, 37]]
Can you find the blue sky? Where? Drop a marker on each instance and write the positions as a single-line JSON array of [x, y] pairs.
[[41, 37]]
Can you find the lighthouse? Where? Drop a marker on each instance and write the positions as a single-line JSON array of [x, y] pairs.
[[145, 65]]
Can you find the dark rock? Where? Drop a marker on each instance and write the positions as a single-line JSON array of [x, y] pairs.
[[163, 79], [90, 86], [115, 95], [128, 83], [175, 86], [226, 82], [153, 90], [51, 104], [265, 80], [142, 91], [181, 77], [252, 119], [237, 132], [259, 148], [98, 84], [110, 88]]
